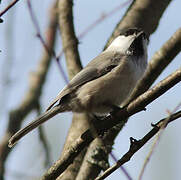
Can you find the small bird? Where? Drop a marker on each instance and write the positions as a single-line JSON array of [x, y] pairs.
[[104, 84]]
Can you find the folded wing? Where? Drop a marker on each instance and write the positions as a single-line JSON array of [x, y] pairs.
[[98, 67]]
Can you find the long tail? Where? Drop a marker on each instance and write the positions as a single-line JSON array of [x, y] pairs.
[[39, 120]]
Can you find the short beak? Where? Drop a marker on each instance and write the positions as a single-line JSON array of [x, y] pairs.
[[143, 35], [140, 34]]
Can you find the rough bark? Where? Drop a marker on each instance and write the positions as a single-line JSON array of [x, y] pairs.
[[70, 48]]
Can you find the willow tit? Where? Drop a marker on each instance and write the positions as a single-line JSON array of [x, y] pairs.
[[105, 83]]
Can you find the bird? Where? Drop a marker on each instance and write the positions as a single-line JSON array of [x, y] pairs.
[[104, 84]]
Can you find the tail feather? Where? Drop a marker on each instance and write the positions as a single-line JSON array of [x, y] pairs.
[[39, 120]]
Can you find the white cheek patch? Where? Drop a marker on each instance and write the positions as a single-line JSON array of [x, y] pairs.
[[121, 43]]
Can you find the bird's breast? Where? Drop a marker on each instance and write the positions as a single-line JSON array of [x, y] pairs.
[[111, 89]]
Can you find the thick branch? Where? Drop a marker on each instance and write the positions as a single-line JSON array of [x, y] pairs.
[[69, 40], [95, 160], [140, 14], [31, 98], [102, 126], [70, 47]]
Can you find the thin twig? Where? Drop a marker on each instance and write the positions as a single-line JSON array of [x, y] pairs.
[[31, 97], [135, 145], [134, 16], [8, 7], [102, 18], [7, 64], [157, 140], [121, 167], [51, 52], [98, 21]]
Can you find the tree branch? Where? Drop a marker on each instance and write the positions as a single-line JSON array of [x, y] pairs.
[[103, 125], [95, 160], [8, 7], [157, 140], [31, 98], [69, 40], [143, 9], [70, 47], [51, 51], [133, 17], [135, 145], [157, 64], [124, 170]]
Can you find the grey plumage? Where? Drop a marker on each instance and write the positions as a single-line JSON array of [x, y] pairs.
[[104, 83], [95, 69]]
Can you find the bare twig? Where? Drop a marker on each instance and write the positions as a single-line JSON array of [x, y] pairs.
[[49, 50], [149, 155], [31, 98], [98, 21], [34, 20], [122, 168], [96, 159], [8, 7], [138, 144], [134, 16], [7, 64], [134, 107], [103, 17], [157, 140]]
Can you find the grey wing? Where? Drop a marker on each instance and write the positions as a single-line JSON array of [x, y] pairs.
[[99, 66]]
